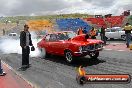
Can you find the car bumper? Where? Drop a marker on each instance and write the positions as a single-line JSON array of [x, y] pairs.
[[84, 53]]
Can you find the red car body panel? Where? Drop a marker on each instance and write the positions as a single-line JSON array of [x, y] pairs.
[[73, 44]]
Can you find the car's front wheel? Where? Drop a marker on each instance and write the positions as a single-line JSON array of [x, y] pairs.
[[69, 57], [94, 55]]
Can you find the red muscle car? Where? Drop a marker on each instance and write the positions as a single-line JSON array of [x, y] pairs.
[[70, 45]]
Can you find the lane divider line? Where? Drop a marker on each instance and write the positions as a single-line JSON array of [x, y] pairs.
[[115, 50]]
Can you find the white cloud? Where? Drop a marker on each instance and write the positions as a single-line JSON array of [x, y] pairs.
[[42, 7]]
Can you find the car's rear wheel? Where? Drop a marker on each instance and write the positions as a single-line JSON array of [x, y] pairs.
[[69, 57], [43, 53], [94, 55]]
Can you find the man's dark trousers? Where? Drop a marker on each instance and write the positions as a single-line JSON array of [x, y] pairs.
[[25, 55], [128, 39], [103, 38]]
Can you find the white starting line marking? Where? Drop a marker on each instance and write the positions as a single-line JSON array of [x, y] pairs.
[[120, 50], [114, 50], [108, 49]]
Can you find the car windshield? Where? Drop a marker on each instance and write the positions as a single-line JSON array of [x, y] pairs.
[[66, 35], [14, 34], [10, 34], [119, 29], [114, 29]]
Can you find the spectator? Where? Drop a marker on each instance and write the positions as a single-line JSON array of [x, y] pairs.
[[2, 73], [84, 30], [17, 22], [102, 34], [93, 33], [3, 31], [99, 30], [127, 30], [25, 42], [80, 31]]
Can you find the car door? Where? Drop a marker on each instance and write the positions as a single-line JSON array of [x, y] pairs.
[[114, 33], [60, 44], [121, 32], [53, 44], [46, 43]]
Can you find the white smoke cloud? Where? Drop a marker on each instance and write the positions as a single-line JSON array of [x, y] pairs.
[[37, 52], [8, 46]]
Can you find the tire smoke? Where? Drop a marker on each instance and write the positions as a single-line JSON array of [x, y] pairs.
[[8, 46]]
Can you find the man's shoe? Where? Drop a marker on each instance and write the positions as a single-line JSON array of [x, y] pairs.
[[22, 68], [127, 46], [27, 66], [3, 74]]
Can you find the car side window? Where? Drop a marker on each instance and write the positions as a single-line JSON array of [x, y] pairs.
[[53, 38], [47, 38], [114, 30], [62, 36], [108, 30], [120, 29]]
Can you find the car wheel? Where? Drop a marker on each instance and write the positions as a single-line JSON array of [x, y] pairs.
[[43, 53], [106, 38], [94, 55], [111, 38], [123, 37], [69, 56]]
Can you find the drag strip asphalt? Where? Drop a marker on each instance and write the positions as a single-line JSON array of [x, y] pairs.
[[54, 72]]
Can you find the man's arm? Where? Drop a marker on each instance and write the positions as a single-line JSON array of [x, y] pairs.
[[30, 40], [123, 29], [22, 40], [131, 27]]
